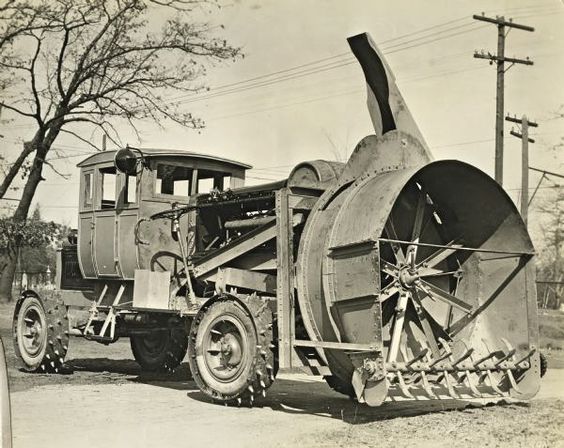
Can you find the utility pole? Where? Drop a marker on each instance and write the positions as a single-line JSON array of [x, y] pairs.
[[500, 61], [525, 140]]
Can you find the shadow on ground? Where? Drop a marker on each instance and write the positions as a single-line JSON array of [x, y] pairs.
[[293, 396]]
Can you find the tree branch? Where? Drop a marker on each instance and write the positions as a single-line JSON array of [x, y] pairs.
[[82, 139]]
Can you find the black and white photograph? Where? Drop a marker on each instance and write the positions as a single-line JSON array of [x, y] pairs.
[[262, 223]]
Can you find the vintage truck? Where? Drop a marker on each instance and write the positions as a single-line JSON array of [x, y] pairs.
[[393, 276]]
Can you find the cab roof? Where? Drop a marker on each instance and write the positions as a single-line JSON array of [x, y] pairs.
[[108, 156]]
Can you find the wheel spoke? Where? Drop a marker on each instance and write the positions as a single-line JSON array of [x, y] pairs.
[[398, 326], [422, 315], [396, 248], [389, 268], [431, 272], [442, 254], [419, 213], [388, 292], [433, 291]]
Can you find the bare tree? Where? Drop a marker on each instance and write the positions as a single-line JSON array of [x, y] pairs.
[[97, 62], [551, 257]]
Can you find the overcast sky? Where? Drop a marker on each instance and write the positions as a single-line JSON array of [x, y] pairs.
[[313, 104]]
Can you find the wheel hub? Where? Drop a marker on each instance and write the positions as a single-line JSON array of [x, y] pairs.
[[225, 351], [32, 330], [408, 277]]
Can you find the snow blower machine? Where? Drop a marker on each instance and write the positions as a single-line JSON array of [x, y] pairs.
[[392, 276]]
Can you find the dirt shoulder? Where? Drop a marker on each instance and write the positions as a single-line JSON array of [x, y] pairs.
[[105, 400]]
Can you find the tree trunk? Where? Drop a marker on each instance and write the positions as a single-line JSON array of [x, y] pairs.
[[15, 167], [9, 263], [7, 274]]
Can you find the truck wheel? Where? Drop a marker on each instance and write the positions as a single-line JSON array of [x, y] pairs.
[[543, 364], [340, 386], [231, 354], [41, 333], [161, 351]]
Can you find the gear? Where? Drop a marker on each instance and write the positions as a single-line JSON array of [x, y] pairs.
[[232, 354], [41, 332]]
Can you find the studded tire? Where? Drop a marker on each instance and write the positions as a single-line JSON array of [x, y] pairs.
[[161, 351], [41, 333], [231, 350], [543, 364]]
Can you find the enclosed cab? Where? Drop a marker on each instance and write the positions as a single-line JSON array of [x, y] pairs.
[[113, 204]]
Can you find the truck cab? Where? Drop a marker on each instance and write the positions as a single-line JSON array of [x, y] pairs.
[[113, 239]]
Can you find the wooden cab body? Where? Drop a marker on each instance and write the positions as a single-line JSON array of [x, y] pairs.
[[114, 237]]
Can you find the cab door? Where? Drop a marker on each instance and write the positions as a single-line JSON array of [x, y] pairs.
[[86, 223], [104, 225]]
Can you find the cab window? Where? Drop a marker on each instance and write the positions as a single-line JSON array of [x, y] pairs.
[[130, 196], [209, 180], [87, 190], [173, 180], [108, 184]]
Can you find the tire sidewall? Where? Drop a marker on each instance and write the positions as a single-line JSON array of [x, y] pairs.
[[31, 362], [233, 310]]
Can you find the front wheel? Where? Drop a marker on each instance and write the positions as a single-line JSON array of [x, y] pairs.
[[231, 351]]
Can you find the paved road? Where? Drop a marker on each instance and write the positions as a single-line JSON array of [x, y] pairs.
[[298, 411]]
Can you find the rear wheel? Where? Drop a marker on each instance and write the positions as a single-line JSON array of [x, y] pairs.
[[41, 333], [543, 364], [340, 386], [160, 351], [231, 354]]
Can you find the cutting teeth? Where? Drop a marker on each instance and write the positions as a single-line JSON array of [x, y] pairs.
[[238, 401], [262, 384], [251, 389], [264, 393]]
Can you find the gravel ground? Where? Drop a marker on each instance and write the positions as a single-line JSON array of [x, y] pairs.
[[105, 400]]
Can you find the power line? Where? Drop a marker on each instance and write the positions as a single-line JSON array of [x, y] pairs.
[[355, 91], [381, 43], [314, 70], [328, 66]]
